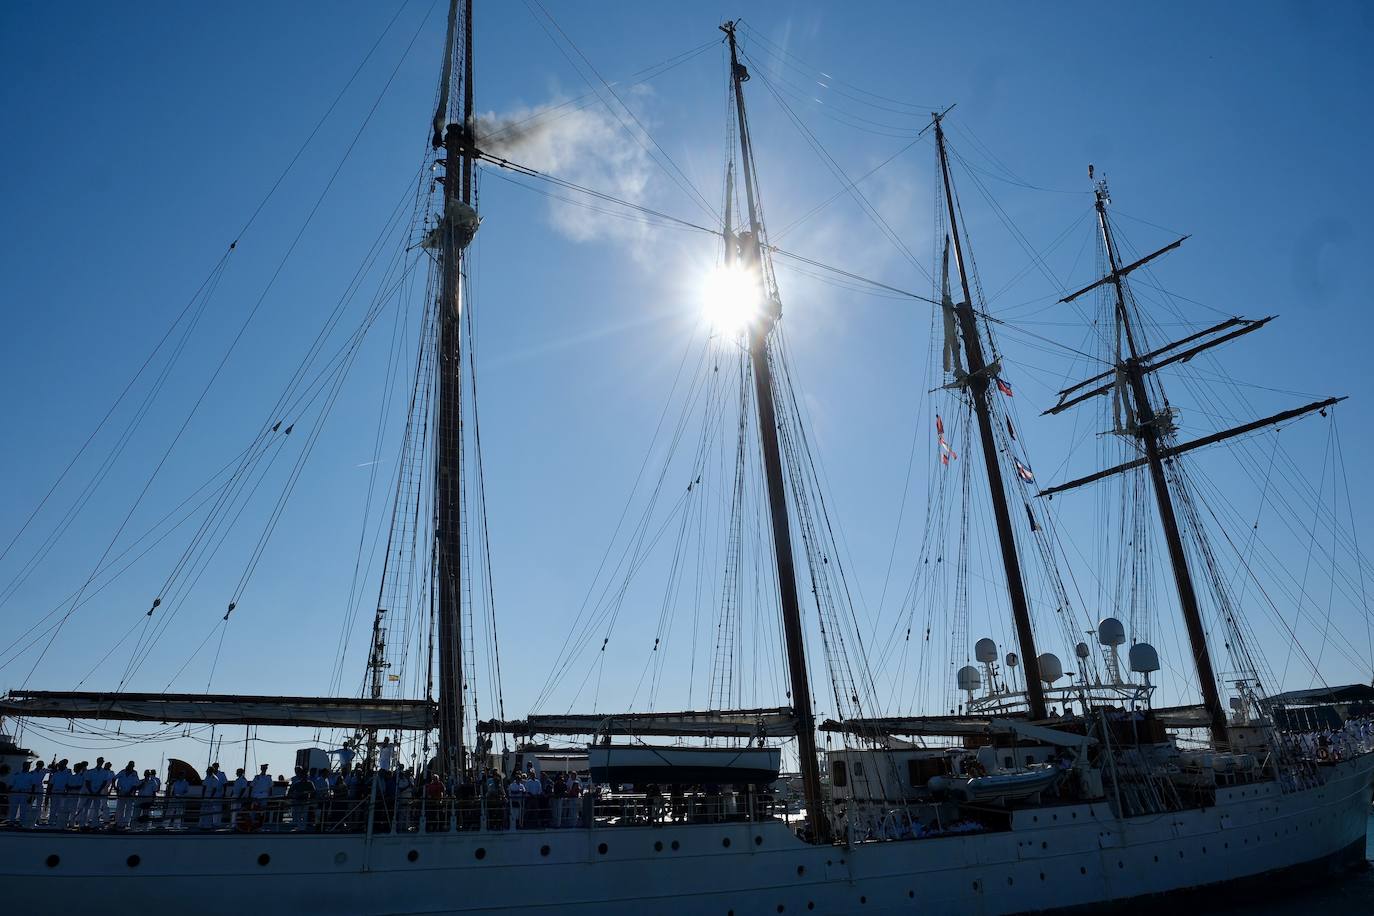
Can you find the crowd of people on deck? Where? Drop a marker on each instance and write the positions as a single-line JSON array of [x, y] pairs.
[[62, 795]]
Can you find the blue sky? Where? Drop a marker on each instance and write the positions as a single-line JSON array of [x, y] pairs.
[[140, 139]]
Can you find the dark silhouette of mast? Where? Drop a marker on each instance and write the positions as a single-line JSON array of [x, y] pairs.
[[979, 384], [752, 253], [1147, 430], [455, 231]]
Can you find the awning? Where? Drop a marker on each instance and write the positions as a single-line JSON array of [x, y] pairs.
[[1351, 693], [733, 723], [956, 726], [309, 712]]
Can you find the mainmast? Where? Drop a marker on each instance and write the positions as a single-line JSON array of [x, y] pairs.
[[457, 224], [979, 381], [1148, 430], [754, 255]]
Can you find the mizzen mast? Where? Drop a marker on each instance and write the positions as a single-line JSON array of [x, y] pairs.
[[1148, 430], [979, 381], [754, 255]]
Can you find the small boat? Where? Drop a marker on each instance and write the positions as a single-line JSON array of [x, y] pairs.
[[1020, 784], [644, 763]]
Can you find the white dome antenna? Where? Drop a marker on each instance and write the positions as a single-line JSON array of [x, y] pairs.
[[985, 650], [1051, 669], [1111, 634], [1143, 660], [969, 680]]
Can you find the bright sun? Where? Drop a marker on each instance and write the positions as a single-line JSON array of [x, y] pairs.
[[730, 297]]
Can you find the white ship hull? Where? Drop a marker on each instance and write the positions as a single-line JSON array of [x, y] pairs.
[[1052, 858]]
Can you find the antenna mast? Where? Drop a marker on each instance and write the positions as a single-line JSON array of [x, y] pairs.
[[978, 379], [753, 252]]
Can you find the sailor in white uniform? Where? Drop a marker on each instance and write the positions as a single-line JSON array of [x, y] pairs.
[[18, 794], [74, 786], [126, 796], [34, 808], [98, 788], [386, 756], [212, 805], [261, 789], [147, 792], [176, 808], [238, 795]]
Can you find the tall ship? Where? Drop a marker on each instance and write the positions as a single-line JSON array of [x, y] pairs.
[[1006, 784]]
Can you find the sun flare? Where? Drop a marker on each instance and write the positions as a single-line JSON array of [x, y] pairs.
[[730, 298]]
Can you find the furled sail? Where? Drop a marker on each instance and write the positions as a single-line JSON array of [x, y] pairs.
[[312, 712], [737, 723]]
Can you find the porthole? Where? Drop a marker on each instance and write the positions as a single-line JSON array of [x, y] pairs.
[[412, 855], [480, 853], [1010, 882], [340, 858], [1044, 845], [676, 846], [758, 841], [1042, 876], [810, 904], [725, 842], [1156, 858], [543, 850], [658, 846], [1120, 863], [53, 860], [801, 870], [1083, 871], [781, 907], [133, 861], [863, 899], [602, 848], [911, 894], [264, 859]]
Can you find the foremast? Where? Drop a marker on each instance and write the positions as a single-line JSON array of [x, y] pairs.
[[457, 223], [754, 257], [979, 381]]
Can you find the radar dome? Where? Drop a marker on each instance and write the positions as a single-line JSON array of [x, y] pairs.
[[1012, 660], [1111, 632], [1081, 650], [1050, 668], [1143, 658], [985, 650], [969, 678]]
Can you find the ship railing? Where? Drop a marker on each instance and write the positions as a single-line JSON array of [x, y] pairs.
[[384, 814]]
